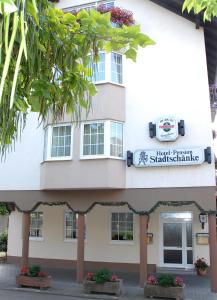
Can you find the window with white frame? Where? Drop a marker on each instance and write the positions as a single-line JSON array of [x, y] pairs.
[[109, 68], [98, 69], [116, 139], [122, 226], [104, 139], [93, 139], [58, 142], [116, 68], [36, 224], [93, 5], [70, 225]]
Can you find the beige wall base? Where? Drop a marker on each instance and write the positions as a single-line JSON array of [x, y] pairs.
[[89, 265]]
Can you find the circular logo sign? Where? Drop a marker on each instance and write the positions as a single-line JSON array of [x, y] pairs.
[[167, 129]]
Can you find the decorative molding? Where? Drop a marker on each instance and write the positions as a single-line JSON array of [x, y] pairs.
[[109, 204]]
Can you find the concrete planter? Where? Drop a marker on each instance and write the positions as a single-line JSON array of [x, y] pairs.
[[34, 282], [173, 292], [113, 288]]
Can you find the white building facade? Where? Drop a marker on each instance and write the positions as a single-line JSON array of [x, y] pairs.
[[91, 199]]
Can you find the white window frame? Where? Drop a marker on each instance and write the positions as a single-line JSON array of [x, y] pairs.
[[108, 69], [65, 238], [121, 242], [37, 238], [94, 4], [107, 137], [68, 240], [47, 151]]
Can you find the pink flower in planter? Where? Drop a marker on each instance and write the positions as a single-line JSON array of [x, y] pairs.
[[89, 276], [152, 280], [42, 274], [114, 277], [23, 271], [179, 281]]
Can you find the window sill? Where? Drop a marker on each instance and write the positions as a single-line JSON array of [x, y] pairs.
[[37, 239], [72, 240], [88, 157], [57, 159], [109, 82], [123, 243]]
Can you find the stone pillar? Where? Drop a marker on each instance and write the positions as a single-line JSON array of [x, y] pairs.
[[213, 252], [80, 247], [25, 245], [143, 272]]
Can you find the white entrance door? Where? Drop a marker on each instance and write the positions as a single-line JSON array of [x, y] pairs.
[[177, 244]]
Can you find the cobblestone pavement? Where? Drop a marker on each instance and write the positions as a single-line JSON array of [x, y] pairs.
[[64, 286]]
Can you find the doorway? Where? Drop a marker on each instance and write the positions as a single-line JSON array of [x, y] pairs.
[[177, 239]]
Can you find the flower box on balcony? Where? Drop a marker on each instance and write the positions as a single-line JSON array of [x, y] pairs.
[[109, 287], [34, 282]]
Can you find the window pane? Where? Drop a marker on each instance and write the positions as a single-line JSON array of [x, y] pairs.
[[86, 150], [189, 234], [61, 141], [98, 68], [70, 226], [172, 233], [173, 256], [45, 143], [122, 226], [93, 139], [189, 257], [86, 139], [116, 68], [116, 139], [36, 223], [87, 129]]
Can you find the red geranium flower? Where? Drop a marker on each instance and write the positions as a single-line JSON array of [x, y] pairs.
[[23, 271], [42, 274], [89, 276], [114, 277], [152, 280], [179, 281]]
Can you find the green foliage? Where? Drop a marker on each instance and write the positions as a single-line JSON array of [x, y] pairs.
[[34, 270], [45, 62], [165, 280], [3, 242], [102, 276], [208, 7], [3, 210]]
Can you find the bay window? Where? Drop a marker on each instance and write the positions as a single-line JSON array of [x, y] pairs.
[[58, 142], [109, 68], [102, 139]]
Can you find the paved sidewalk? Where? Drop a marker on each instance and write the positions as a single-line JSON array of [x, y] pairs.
[[197, 288]]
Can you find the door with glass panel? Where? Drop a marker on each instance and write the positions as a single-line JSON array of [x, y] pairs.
[[177, 242]]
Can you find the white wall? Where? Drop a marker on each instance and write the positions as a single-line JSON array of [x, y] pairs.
[[98, 245], [21, 169], [169, 78]]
